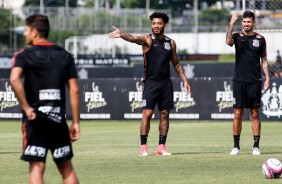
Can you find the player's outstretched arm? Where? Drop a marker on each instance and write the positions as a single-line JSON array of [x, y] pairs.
[[178, 67], [74, 101], [229, 39], [140, 40]]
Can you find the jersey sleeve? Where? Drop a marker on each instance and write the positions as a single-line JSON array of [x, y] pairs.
[[72, 69], [18, 60], [234, 37], [264, 51]]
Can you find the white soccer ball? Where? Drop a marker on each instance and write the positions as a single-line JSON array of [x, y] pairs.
[[272, 168]]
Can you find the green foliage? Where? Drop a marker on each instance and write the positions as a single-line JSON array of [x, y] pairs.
[[226, 58], [6, 23], [219, 17], [59, 37], [50, 3]]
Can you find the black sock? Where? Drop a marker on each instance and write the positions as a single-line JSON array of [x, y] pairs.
[[143, 139], [162, 139], [236, 139], [256, 141]]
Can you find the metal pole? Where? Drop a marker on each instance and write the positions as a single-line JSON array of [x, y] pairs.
[[67, 6], [96, 4], [254, 8], [243, 5], [42, 6], [196, 27], [147, 6]]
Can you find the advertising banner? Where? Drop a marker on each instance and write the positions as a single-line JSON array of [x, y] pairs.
[[9, 105], [121, 99]]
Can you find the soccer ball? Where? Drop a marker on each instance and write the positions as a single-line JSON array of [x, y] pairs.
[[272, 168]]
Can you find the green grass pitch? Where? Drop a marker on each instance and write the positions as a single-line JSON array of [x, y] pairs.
[[107, 152]]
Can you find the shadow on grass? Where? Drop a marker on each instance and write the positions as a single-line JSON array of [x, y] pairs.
[[194, 153], [9, 152]]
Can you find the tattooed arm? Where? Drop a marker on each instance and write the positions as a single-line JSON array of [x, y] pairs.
[[266, 73], [140, 40], [229, 39], [178, 67]]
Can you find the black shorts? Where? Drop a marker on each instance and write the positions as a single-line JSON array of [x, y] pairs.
[[160, 93], [41, 135], [246, 95]]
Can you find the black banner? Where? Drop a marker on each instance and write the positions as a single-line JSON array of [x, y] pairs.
[[121, 98]]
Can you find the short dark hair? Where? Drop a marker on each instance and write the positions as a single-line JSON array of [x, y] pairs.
[[159, 15], [40, 23], [249, 14]]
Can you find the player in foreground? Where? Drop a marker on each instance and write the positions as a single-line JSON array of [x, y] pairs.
[[47, 69], [158, 51], [250, 48]]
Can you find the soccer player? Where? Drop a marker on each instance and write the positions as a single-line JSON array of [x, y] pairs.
[[250, 49], [47, 70], [158, 51]]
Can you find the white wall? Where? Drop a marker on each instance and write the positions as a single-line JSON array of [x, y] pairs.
[[208, 43]]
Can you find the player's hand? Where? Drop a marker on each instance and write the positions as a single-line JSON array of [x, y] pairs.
[[115, 34], [74, 132], [234, 18], [188, 88], [266, 85], [30, 114]]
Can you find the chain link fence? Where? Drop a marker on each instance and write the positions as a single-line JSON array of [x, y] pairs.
[[269, 24], [83, 22]]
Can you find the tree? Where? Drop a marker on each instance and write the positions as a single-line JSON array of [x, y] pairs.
[[51, 3], [8, 37]]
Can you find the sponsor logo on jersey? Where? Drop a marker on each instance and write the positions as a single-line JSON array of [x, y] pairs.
[[50, 94], [272, 101], [225, 98], [61, 152], [53, 113], [46, 109], [256, 43], [181, 99], [35, 151], [135, 97], [7, 98], [258, 36], [167, 46], [94, 98]]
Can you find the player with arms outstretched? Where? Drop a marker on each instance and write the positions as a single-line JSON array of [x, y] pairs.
[[158, 51]]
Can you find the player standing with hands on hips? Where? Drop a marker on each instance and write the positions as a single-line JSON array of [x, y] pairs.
[[158, 51], [47, 70], [250, 50]]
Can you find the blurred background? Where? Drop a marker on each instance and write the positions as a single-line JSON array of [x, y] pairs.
[[198, 26]]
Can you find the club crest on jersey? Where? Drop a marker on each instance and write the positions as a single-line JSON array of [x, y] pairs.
[[256, 43], [167, 46]]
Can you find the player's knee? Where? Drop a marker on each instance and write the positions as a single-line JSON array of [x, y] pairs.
[[255, 116], [164, 114], [238, 115]]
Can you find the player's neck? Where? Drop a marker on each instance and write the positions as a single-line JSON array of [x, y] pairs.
[[249, 33], [40, 40], [159, 36]]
